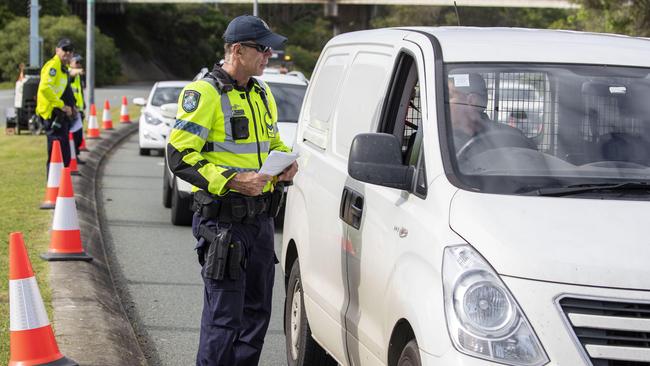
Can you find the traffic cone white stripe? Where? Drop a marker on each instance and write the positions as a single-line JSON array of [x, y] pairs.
[[73, 152], [65, 214], [106, 115], [123, 110], [26, 307], [92, 123], [54, 175]]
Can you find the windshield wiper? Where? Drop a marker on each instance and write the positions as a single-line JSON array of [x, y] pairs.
[[582, 188]]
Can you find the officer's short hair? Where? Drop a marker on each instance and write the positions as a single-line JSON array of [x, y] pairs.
[[227, 50]]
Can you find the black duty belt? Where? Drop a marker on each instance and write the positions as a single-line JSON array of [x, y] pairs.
[[237, 208]]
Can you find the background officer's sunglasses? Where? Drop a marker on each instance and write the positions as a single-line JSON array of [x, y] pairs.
[[258, 47]]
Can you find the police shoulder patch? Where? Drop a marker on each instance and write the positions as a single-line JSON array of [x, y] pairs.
[[52, 71], [191, 100]]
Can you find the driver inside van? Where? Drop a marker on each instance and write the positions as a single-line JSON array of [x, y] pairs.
[[467, 102], [468, 97]]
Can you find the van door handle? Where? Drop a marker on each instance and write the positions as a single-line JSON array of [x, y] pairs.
[[351, 210]]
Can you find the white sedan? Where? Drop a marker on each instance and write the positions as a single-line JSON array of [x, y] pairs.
[[154, 127], [288, 91]]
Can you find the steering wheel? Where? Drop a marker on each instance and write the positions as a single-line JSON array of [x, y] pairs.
[[493, 139]]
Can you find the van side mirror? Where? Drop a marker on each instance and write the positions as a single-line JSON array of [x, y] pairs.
[[376, 158]]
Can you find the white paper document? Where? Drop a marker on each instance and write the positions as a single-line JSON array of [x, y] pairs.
[[276, 162]]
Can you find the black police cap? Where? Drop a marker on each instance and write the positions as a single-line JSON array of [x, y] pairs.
[[65, 43], [252, 28]]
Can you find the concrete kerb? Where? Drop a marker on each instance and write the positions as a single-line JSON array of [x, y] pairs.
[[90, 322]]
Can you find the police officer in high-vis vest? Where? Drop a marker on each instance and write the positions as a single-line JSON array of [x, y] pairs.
[[77, 85], [53, 91], [226, 127]]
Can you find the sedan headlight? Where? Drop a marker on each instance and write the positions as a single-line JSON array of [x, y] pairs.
[[151, 119], [483, 318]]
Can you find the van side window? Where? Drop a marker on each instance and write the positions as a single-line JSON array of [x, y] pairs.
[[402, 117], [360, 93], [321, 101]]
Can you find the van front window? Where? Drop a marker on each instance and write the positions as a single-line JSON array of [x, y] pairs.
[[531, 129]]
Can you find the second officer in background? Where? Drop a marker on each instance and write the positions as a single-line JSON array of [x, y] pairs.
[[77, 85], [225, 129]]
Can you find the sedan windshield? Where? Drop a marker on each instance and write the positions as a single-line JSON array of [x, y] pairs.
[[165, 95], [288, 98], [521, 128]]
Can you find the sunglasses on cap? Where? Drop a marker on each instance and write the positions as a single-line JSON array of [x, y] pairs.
[[257, 47], [67, 49]]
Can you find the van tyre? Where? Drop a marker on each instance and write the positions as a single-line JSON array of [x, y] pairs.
[[410, 355], [181, 213], [145, 152], [302, 349], [166, 189]]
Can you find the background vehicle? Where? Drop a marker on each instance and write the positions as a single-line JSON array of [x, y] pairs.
[[400, 249], [153, 128], [288, 91], [22, 116]]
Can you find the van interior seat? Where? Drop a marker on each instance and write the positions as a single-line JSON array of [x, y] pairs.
[[621, 146]]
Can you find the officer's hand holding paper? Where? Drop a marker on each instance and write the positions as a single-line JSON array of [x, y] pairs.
[[276, 162]]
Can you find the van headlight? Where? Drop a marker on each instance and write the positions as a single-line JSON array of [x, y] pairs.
[[151, 119], [483, 318]]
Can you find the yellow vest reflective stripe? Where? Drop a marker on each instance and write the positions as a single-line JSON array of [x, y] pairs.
[[192, 128], [235, 148]]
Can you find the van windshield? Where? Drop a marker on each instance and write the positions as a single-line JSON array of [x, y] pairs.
[[518, 128]]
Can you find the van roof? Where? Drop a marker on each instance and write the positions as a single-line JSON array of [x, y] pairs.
[[476, 44]]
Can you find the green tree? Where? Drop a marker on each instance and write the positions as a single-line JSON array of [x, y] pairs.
[[611, 16], [14, 41], [393, 16], [178, 38]]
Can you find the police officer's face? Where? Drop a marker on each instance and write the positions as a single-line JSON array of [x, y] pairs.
[[253, 57], [65, 54]]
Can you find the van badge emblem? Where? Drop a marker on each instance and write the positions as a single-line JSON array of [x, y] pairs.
[[401, 231]]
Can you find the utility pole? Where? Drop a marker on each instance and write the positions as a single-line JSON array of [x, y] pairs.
[[34, 38], [90, 52], [255, 11]]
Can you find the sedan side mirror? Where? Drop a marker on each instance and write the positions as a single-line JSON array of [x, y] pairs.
[[376, 158], [169, 110], [140, 101]]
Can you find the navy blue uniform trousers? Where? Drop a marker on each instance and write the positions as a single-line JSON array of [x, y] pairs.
[[236, 313], [61, 135]]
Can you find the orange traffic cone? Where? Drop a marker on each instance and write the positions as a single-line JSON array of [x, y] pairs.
[[83, 147], [53, 176], [74, 168], [107, 122], [65, 238], [124, 112], [93, 127], [32, 341]]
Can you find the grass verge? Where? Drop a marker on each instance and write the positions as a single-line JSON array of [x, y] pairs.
[[22, 188]]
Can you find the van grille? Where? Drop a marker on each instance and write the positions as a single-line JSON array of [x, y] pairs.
[[613, 333]]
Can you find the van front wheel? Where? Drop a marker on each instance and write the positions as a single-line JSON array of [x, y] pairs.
[[410, 355], [302, 349]]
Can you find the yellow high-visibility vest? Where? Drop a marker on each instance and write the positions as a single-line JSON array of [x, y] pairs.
[[50, 89], [221, 132]]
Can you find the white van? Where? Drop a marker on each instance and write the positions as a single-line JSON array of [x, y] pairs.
[[421, 230]]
